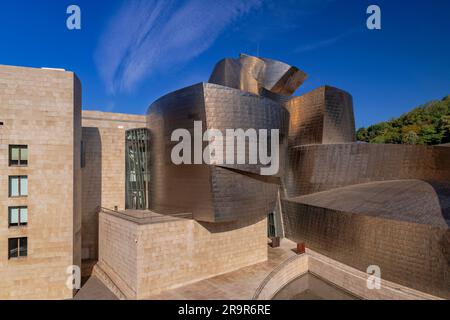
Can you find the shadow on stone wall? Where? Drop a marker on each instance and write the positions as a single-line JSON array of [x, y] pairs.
[[91, 192]]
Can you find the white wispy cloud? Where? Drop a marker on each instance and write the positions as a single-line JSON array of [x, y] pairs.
[[324, 43], [148, 35]]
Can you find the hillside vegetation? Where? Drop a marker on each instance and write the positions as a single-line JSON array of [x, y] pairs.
[[428, 124]]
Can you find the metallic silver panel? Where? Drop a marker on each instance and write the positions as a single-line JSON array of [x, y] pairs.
[[252, 74], [211, 193], [411, 247], [184, 188], [316, 168], [227, 108], [322, 116]]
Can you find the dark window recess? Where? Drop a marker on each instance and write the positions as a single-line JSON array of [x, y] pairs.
[[83, 154], [1, 123], [18, 155], [17, 247], [137, 157], [193, 116], [272, 231]]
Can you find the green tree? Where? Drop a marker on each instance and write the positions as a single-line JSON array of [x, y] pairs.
[[427, 124]]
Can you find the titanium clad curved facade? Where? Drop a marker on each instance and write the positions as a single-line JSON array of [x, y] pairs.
[[252, 74], [212, 193], [237, 195], [282, 78], [322, 116], [184, 188], [317, 168], [400, 226], [231, 73], [227, 108]]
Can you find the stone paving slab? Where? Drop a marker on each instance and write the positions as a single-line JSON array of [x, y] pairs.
[[94, 289]]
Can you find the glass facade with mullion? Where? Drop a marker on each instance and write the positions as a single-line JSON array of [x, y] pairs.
[[137, 168], [18, 155], [17, 216], [18, 186], [17, 248]]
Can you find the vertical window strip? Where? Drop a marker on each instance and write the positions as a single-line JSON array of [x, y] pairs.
[[137, 170]]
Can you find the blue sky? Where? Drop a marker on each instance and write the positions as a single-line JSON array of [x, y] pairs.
[[130, 52]]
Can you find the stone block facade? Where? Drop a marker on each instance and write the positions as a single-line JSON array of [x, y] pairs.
[[41, 109], [144, 256], [103, 172]]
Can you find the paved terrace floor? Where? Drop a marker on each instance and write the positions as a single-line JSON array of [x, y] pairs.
[[94, 289], [237, 285]]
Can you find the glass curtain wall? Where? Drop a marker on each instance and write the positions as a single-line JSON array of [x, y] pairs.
[[137, 178]]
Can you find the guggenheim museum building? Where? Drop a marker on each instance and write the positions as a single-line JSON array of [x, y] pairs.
[[99, 191]]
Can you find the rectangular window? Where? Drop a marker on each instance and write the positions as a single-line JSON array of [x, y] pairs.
[[17, 247], [18, 216], [18, 156], [18, 186], [271, 226], [83, 154]]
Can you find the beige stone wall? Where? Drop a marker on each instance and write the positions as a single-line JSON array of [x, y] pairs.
[[355, 281], [118, 251], [343, 276], [143, 259], [77, 183], [103, 177], [41, 109], [286, 272]]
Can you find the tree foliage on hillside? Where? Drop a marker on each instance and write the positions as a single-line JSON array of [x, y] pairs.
[[428, 124]]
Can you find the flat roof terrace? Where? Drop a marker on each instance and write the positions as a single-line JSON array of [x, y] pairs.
[[143, 217], [237, 285]]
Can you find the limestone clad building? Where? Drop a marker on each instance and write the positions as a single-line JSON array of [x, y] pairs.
[[99, 190], [40, 182]]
